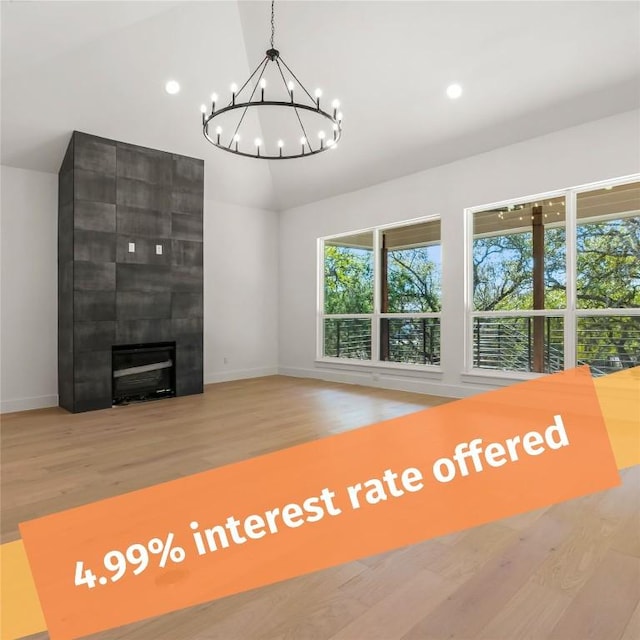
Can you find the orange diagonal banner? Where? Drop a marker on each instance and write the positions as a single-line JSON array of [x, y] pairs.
[[319, 504]]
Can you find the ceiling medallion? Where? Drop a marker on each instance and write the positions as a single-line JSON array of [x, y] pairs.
[[252, 95]]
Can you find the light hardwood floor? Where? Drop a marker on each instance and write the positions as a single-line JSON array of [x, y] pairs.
[[569, 572]]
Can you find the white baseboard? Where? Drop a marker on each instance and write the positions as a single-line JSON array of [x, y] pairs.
[[43, 402], [388, 381], [385, 381], [240, 374], [26, 404]]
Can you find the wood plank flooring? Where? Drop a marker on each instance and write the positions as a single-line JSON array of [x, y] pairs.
[[569, 572]]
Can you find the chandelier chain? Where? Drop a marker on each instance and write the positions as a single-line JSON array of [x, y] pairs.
[[273, 24]]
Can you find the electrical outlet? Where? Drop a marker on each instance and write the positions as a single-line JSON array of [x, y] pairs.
[[158, 249], [132, 247]]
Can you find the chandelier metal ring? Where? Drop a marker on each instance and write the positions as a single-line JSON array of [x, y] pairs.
[[305, 149]]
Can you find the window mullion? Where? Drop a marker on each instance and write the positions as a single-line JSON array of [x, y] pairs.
[[320, 301], [571, 266], [468, 290], [377, 284]]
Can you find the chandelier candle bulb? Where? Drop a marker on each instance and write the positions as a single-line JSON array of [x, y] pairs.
[[318, 95], [234, 89], [236, 139], [280, 145], [214, 99]]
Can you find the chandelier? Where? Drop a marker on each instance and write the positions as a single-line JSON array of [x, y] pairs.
[[294, 102]]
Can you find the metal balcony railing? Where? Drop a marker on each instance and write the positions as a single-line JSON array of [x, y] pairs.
[[507, 344], [347, 338], [410, 340], [608, 343]]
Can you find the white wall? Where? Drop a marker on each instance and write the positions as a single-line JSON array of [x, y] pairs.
[[29, 302], [260, 267], [595, 151], [240, 291]]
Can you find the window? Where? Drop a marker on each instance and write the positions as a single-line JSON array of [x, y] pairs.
[[410, 298], [555, 281], [381, 295], [519, 255], [348, 294], [608, 277]]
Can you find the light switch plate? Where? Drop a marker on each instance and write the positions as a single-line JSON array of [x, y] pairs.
[[158, 249], [132, 247]]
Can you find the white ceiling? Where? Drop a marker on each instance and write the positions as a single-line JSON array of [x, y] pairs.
[[527, 68]]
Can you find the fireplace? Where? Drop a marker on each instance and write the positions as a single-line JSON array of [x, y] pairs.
[[130, 273], [143, 372]]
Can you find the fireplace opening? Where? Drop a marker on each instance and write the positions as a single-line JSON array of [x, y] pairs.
[[143, 372]]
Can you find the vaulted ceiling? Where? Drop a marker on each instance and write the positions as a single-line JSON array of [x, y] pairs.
[[527, 68]]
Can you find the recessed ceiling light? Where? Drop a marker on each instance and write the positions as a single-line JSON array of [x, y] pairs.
[[454, 91], [172, 87]]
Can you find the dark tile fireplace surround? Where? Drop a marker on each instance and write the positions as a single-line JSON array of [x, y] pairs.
[[130, 274]]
